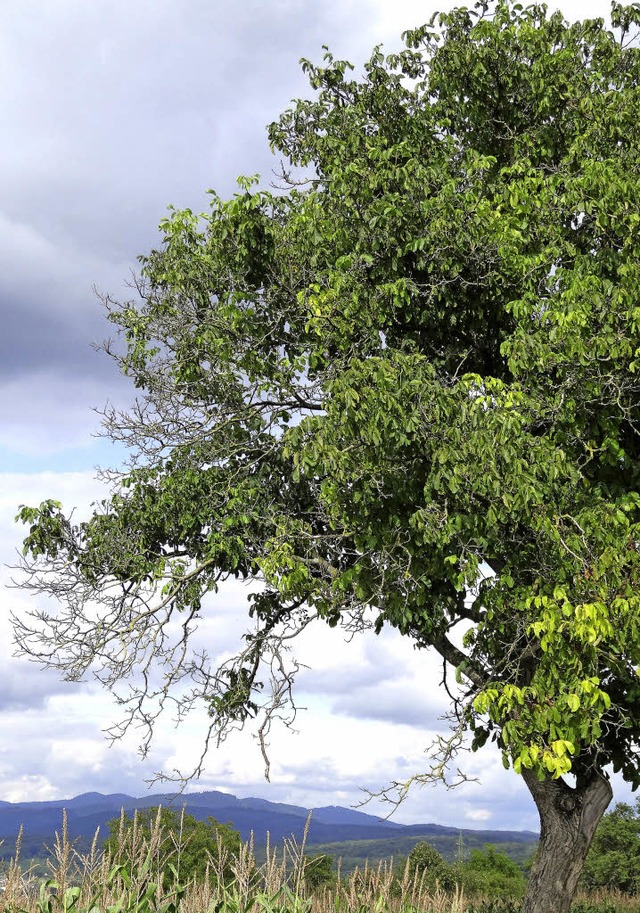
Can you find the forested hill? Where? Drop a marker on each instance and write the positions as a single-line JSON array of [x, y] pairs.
[[331, 824]]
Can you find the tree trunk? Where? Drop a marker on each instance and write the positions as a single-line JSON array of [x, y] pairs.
[[569, 817]]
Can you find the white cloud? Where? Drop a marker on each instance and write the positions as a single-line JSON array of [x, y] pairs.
[[479, 814], [21, 788], [390, 20]]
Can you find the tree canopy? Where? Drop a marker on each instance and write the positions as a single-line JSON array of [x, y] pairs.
[[399, 388]]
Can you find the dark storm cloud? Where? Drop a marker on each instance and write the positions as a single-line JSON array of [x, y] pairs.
[[33, 339], [49, 314], [110, 112], [121, 108]]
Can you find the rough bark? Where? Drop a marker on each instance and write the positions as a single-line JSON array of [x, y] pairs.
[[569, 817]]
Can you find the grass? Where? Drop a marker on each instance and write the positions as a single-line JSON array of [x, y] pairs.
[[95, 882], [78, 883]]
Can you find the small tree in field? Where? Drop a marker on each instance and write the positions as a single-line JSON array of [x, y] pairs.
[[492, 874], [178, 844], [426, 866], [318, 872], [403, 389]]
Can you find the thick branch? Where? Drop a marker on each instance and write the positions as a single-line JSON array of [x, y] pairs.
[[464, 664]]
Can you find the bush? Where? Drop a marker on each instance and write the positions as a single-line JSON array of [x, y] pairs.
[[502, 905], [318, 872], [598, 906]]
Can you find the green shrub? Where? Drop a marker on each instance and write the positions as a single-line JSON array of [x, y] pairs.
[[500, 905], [596, 906], [318, 872]]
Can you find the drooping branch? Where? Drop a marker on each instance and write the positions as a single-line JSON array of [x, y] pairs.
[[138, 639], [442, 752]]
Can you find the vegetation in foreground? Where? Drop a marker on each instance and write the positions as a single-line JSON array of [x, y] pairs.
[[163, 862]]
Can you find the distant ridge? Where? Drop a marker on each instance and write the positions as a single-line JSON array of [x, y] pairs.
[[329, 824]]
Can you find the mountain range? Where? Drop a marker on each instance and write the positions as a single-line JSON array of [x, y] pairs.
[[329, 824]]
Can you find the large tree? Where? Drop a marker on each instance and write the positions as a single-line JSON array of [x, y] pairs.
[[400, 388]]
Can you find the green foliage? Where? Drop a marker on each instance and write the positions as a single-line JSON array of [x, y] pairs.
[[495, 906], [487, 873], [426, 865], [604, 904], [492, 874], [130, 899], [185, 848], [284, 900], [358, 853], [318, 871], [614, 858]]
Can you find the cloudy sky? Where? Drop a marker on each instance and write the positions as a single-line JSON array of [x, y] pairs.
[[111, 110]]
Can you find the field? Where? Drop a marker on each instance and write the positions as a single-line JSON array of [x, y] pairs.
[[140, 878]]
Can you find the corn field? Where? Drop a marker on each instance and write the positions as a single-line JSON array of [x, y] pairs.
[[96, 883]]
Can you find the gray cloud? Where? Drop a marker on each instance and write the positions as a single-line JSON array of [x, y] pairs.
[[376, 667], [114, 111], [395, 703], [508, 806], [380, 679], [24, 687]]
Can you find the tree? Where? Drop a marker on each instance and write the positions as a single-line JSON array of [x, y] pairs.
[[492, 874], [427, 867], [614, 857], [318, 871], [401, 388], [196, 849]]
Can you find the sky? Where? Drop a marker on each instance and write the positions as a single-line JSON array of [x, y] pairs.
[[110, 111]]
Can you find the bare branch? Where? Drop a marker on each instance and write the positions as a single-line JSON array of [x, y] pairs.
[[442, 751]]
